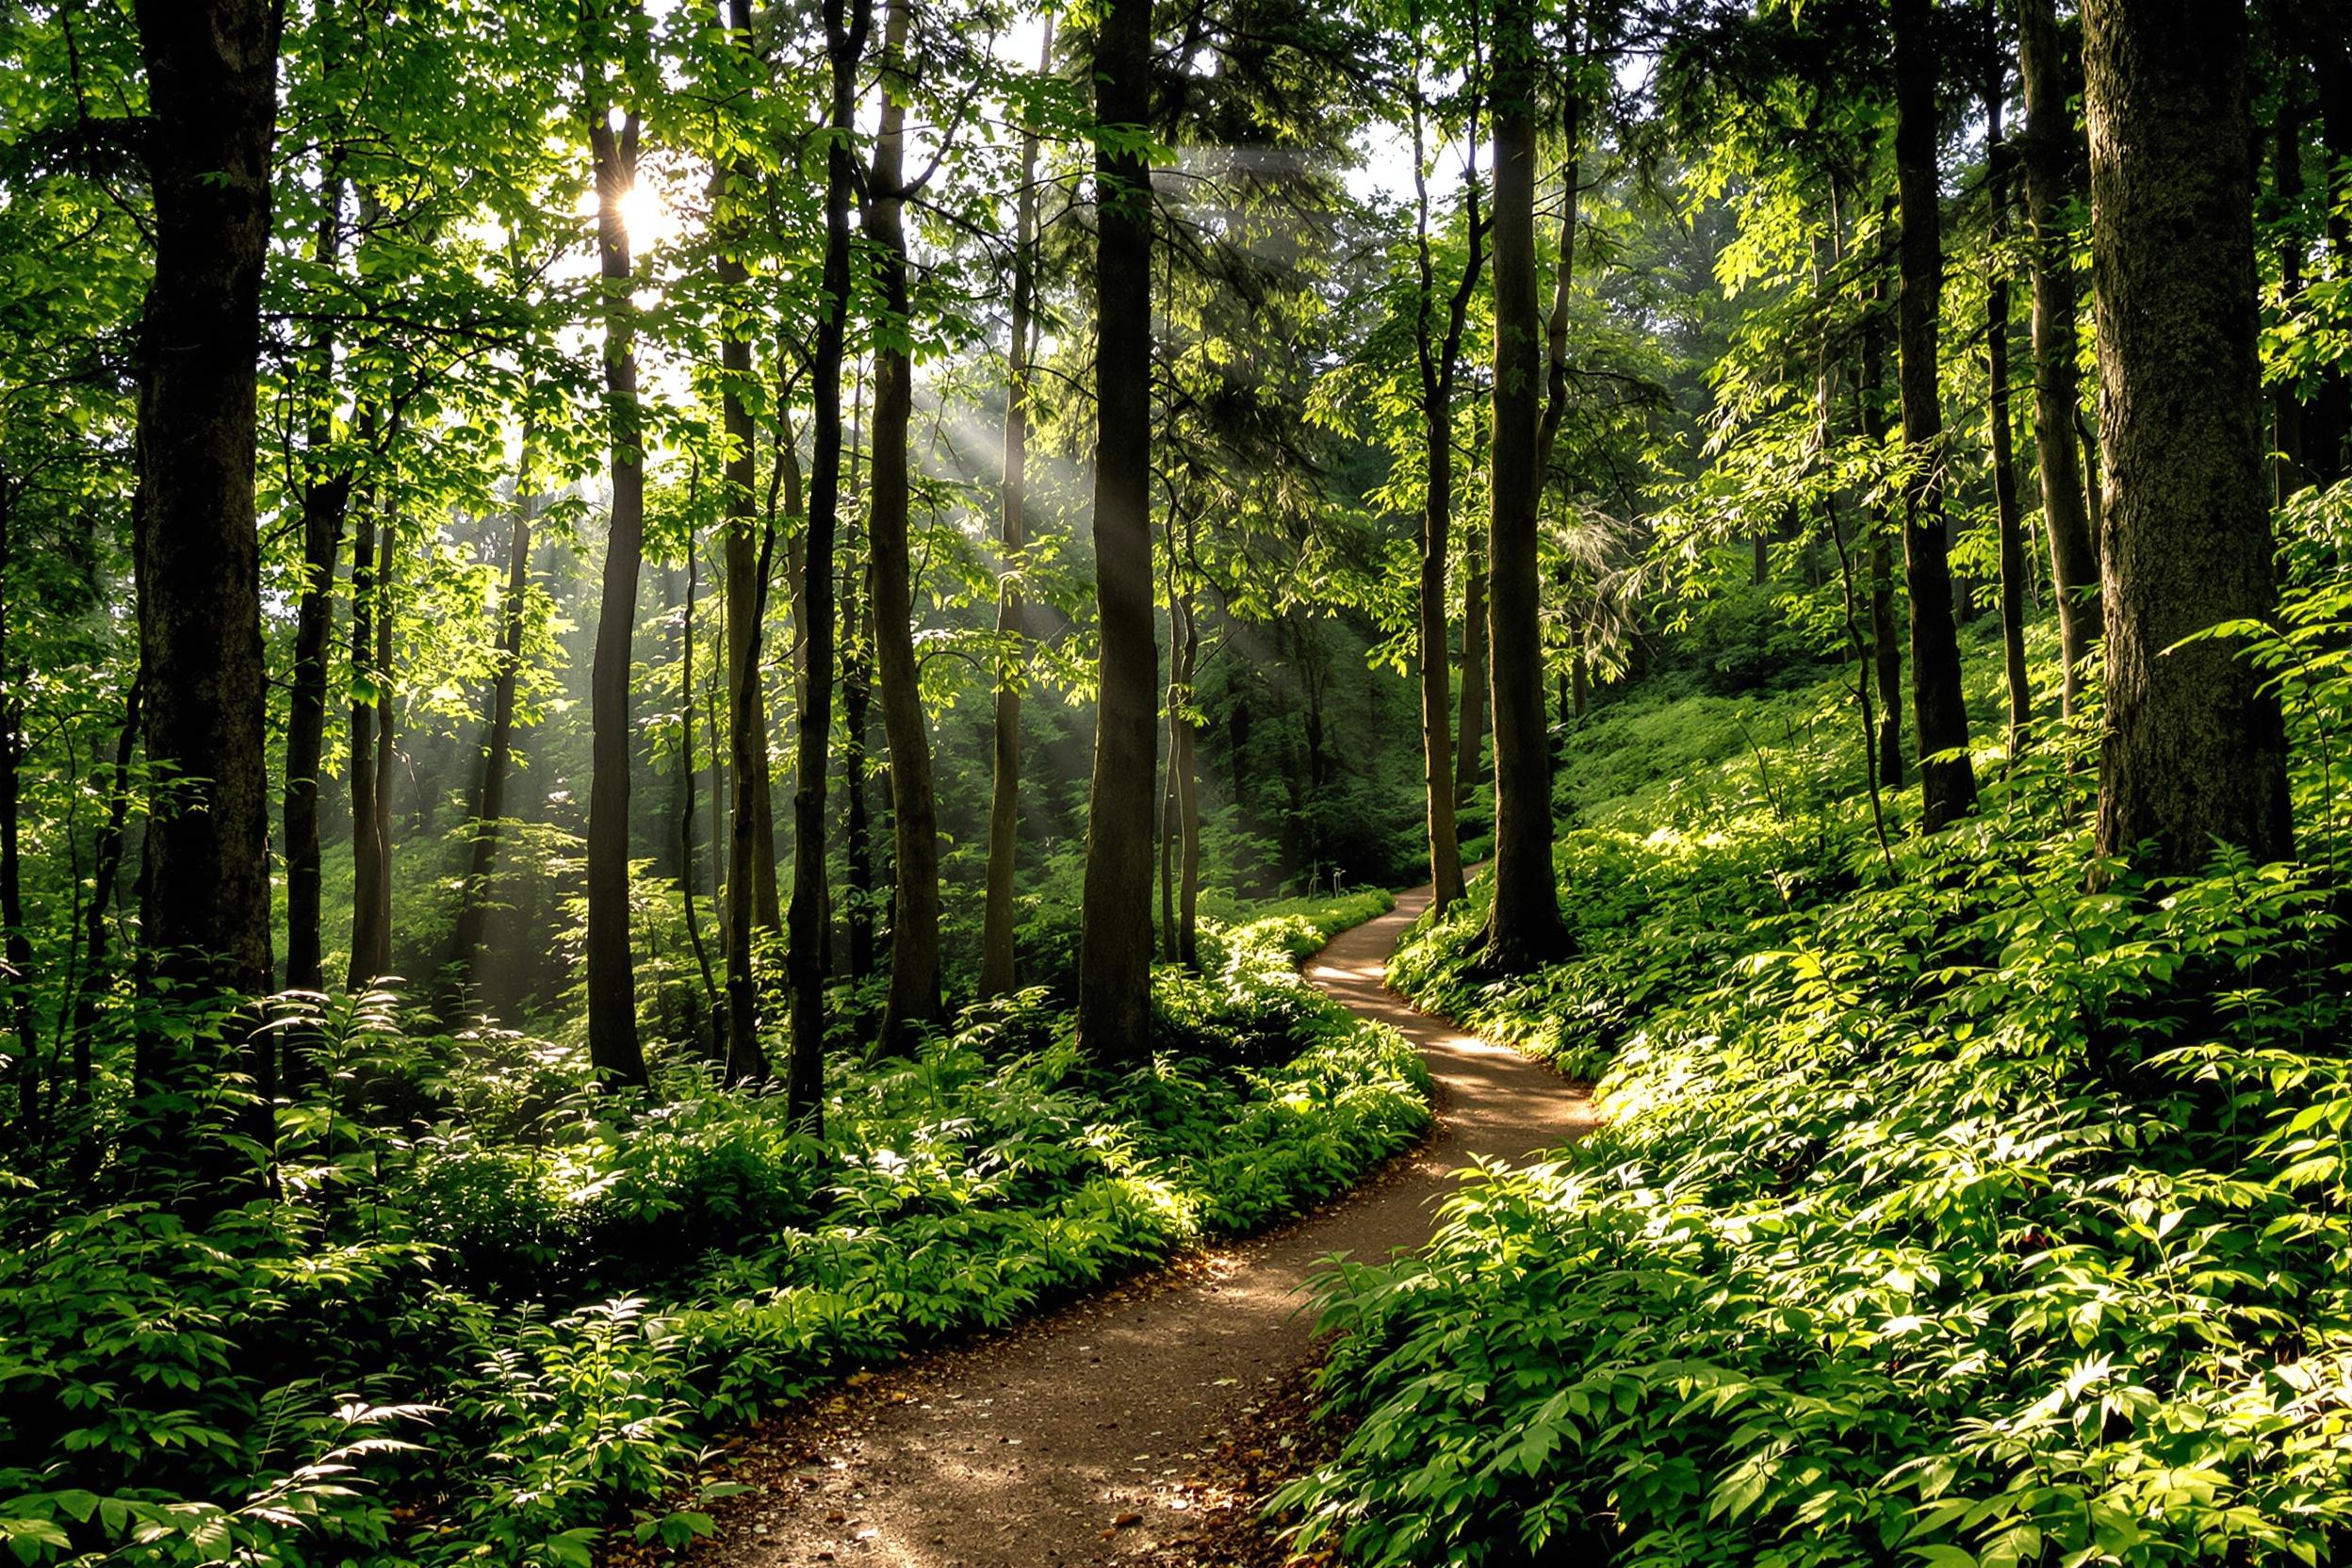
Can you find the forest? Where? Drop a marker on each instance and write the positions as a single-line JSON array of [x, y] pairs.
[[1545, 780]]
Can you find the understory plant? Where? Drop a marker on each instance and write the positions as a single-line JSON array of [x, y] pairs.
[[1947, 1211], [481, 1319]]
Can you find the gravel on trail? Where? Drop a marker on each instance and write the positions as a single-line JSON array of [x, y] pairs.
[[1144, 1424]]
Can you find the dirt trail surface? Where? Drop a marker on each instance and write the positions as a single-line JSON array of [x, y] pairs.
[[1131, 1426]]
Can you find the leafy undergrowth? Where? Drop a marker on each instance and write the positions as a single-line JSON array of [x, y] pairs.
[[497, 1331], [1967, 1218]]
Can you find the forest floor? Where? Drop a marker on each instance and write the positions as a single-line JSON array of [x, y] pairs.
[[1145, 1424]]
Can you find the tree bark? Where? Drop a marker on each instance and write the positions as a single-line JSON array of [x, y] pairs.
[[1523, 926], [16, 945], [1182, 752], [369, 939], [687, 858], [912, 1003], [1438, 352], [2050, 152], [372, 889], [108, 853], [613, 1052], [1886, 635], [751, 902], [326, 497], [1938, 708], [1179, 855], [2001, 160], [498, 751], [1114, 940], [808, 913], [2287, 196], [1470, 735], [997, 916], [211, 67], [2194, 749], [856, 765]]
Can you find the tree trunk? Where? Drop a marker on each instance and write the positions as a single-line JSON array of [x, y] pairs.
[[1938, 708], [2050, 149], [107, 854], [1167, 844], [211, 67], [1115, 941], [1886, 635], [1886, 658], [1564, 280], [856, 768], [2287, 197], [807, 917], [2195, 748], [369, 939], [326, 495], [1524, 927], [686, 791], [1438, 352], [1470, 735], [2094, 505], [751, 903], [489, 813], [385, 715], [997, 916], [2000, 158], [16, 945], [613, 1053], [1184, 747], [912, 1005], [1180, 854]]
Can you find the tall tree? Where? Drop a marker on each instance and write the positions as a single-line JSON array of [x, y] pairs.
[[325, 496], [751, 901], [2193, 749], [1939, 713], [2001, 171], [996, 926], [372, 748], [498, 747], [913, 1000], [1437, 352], [1115, 940], [2050, 152], [613, 1051], [1886, 645], [1523, 926], [1470, 734], [16, 943], [212, 95], [805, 918], [1180, 821]]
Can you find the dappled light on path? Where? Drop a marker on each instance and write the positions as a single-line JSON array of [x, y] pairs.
[[1084, 1437]]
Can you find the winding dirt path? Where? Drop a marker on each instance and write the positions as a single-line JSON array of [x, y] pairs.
[[1084, 1437]]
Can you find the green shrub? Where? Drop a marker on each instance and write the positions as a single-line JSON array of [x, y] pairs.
[[499, 1330], [1964, 1219]]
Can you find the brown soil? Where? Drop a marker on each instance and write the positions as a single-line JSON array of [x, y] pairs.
[[1145, 1424]]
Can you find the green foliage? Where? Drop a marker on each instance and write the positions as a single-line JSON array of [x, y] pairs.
[[491, 1317], [1966, 1219]]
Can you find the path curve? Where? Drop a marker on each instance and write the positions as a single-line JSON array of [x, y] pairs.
[[1068, 1441]]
